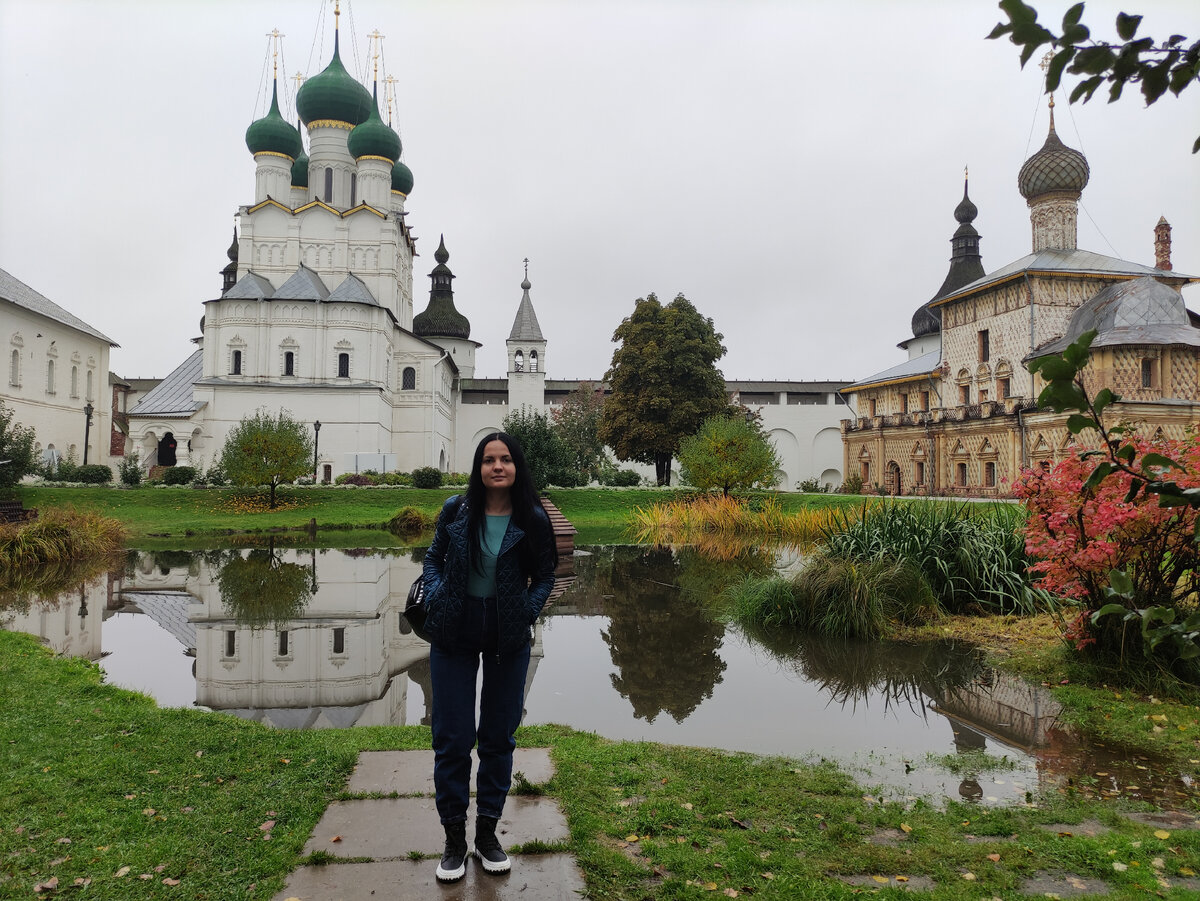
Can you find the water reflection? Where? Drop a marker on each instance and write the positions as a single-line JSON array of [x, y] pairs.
[[313, 638]]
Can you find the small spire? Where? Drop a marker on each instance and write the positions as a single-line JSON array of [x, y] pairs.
[[442, 255]]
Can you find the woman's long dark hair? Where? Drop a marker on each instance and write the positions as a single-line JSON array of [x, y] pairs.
[[527, 513]]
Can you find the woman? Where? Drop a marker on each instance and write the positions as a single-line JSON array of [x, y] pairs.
[[487, 575]]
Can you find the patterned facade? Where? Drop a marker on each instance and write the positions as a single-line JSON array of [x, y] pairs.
[[961, 418]]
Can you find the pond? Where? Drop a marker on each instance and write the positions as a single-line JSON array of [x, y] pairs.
[[631, 648]]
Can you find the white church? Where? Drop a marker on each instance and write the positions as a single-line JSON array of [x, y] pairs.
[[316, 317]]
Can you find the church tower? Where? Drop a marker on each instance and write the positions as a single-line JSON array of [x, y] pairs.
[[1051, 181], [441, 322], [526, 356]]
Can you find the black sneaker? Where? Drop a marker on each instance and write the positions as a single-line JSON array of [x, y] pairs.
[[487, 846], [454, 859]]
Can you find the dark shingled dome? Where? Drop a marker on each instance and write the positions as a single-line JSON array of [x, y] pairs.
[[1056, 167], [440, 318], [402, 179], [374, 138], [333, 94]]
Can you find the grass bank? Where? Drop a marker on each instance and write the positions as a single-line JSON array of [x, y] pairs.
[[600, 514], [114, 798]]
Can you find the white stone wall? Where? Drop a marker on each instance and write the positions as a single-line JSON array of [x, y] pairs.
[[55, 411]]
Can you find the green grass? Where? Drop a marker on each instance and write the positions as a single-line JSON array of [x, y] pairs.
[[600, 514], [132, 785]]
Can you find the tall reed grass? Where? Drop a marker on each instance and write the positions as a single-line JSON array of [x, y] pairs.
[[60, 535], [971, 555], [837, 596], [705, 517]]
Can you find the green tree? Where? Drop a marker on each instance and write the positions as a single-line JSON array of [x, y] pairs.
[[729, 453], [577, 421], [260, 589], [267, 449], [664, 382], [1155, 66], [543, 449], [16, 449]]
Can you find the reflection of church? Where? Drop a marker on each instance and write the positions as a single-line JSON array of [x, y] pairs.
[[959, 416], [317, 316]]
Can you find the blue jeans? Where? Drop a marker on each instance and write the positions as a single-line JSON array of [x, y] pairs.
[[453, 673]]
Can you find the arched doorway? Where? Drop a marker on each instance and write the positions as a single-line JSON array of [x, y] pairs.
[[892, 479]]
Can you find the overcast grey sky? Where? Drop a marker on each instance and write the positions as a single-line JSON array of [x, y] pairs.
[[791, 167]]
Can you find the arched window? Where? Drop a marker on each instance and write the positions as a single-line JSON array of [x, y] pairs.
[[235, 364], [289, 363], [49, 376], [533, 361], [89, 385], [14, 369], [343, 366], [518, 362], [353, 189], [328, 185], [408, 379], [74, 381]]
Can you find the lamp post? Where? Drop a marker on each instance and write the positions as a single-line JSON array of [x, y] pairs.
[[88, 409], [316, 443]]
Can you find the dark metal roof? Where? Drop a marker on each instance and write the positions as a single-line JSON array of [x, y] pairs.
[[17, 292], [172, 397], [1073, 262], [1142, 311], [909, 369], [352, 289]]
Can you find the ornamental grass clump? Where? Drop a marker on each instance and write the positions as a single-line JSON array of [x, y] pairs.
[[971, 555], [838, 597], [410, 521], [59, 535], [689, 520]]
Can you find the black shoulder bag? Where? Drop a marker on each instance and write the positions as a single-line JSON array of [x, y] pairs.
[[414, 607]]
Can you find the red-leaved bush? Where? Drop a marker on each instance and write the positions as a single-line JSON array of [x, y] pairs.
[[1076, 536]]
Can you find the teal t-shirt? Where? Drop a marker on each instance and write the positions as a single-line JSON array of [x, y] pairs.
[[484, 585]]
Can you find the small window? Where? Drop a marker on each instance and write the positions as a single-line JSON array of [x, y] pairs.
[[518, 362], [327, 473], [230, 642], [903, 403], [1045, 465], [1002, 389], [866, 473], [408, 379], [920, 472], [235, 365], [1147, 373], [343, 366], [14, 370], [983, 395], [89, 385], [964, 394], [329, 185], [961, 474], [533, 361], [289, 363], [989, 475], [283, 643], [985, 347], [74, 381], [925, 400], [339, 640], [49, 376], [353, 189], [871, 407]]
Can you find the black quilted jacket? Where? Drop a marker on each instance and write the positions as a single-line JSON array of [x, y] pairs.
[[519, 598]]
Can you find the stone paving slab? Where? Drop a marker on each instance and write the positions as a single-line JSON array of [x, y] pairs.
[[384, 828], [534, 877], [411, 772]]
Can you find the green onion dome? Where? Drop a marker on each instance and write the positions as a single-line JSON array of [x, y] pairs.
[[374, 138], [272, 134], [402, 178], [333, 95], [300, 171]]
